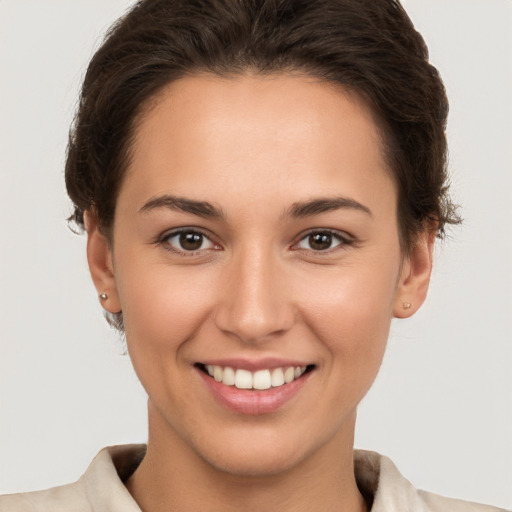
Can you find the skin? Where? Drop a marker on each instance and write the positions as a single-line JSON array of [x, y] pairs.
[[253, 147]]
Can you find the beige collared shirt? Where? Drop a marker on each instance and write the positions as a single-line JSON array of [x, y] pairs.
[[101, 488]]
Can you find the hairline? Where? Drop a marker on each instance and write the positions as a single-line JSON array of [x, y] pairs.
[[383, 131]]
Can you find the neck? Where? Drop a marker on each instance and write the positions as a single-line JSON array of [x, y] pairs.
[[174, 477]]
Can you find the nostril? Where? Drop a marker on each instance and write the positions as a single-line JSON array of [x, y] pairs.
[[256, 325]]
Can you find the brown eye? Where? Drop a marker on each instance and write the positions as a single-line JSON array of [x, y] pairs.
[[321, 241], [188, 241], [191, 241]]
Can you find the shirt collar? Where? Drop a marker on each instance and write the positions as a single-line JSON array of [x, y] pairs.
[[378, 479]]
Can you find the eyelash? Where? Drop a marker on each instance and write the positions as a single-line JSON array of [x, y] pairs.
[[164, 240], [342, 239]]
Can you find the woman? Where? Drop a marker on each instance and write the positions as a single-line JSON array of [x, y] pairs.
[[261, 187]]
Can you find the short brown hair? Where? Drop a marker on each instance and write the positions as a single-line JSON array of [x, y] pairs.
[[367, 46]]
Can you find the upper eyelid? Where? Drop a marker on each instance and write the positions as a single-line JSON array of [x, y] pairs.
[[166, 235], [345, 241], [342, 235], [186, 229]]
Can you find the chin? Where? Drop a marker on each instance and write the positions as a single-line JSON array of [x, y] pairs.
[[261, 452], [255, 462]]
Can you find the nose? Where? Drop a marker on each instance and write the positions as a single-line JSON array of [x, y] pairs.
[[254, 304]]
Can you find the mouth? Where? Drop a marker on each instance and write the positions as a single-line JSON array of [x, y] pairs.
[[259, 380], [261, 390]]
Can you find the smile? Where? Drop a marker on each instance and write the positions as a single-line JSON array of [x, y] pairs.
[[258, 380], [265, 388]]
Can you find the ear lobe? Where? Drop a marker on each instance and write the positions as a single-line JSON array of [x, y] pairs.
[[415, 276], [99, 257]]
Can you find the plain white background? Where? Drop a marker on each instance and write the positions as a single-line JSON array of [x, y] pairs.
[[441, 407]]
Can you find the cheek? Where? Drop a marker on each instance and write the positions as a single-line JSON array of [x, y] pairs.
[[352, 325], [350, 311], [162, 310], [162, 307]]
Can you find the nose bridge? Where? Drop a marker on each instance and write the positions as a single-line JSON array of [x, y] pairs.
[[254, 304]]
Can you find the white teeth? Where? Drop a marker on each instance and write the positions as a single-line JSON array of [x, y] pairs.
[[243, 379], [260, 380], [299, 370], [217, 373], [229, 376], [277, 377], [289, 374]]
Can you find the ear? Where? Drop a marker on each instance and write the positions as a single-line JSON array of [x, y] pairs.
[[99, 256], [415, 276]]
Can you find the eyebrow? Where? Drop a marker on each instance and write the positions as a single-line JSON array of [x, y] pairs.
[[299, 209], [182, 204], [323, 205]]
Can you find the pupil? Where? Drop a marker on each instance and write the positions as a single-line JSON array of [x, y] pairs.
[[191, 241], [320, 241]]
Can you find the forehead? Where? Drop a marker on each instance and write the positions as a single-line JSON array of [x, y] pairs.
[[280, 133]]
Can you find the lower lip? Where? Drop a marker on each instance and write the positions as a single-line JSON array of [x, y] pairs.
[[254, 402]]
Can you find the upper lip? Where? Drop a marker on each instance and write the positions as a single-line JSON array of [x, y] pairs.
[[267, 363]]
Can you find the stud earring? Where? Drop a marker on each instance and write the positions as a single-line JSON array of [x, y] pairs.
[[103, 296], [406, 305]]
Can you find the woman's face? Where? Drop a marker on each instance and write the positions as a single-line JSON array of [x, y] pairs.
[[256, 231]]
